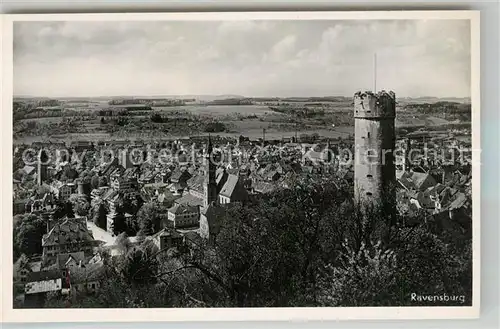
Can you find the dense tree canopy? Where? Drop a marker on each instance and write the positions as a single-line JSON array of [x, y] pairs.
[[81, 205], [28, 232], [306, 246], [150, 217]]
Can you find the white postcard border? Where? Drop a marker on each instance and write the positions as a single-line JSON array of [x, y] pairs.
[[229, 314]]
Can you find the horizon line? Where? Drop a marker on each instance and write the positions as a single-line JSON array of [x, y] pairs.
[[235, 95]]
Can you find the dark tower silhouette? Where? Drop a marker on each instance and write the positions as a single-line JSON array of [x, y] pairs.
[[210, 186], [42, 167]]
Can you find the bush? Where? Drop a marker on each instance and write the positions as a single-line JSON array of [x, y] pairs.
[[215, 127]]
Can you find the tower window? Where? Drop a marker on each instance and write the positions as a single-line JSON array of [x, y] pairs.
[[369, 176], [369, 193], [368, 135]]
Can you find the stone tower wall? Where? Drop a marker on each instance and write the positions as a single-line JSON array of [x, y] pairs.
[[374, 168]]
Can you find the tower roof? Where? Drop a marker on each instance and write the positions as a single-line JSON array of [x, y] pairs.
[[375, 105]]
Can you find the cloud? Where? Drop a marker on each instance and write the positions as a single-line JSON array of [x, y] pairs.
[[244, 26], [282, 50], [268, 58]]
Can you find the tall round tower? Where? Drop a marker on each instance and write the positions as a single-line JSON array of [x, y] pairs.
[[374, 167]]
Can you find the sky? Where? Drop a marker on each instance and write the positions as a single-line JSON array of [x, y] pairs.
[[249, 58]]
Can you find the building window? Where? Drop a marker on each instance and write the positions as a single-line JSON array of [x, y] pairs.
[[369, 176], [369, 193]]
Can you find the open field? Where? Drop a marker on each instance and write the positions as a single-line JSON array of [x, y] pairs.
[[219, 110], [328, 119]]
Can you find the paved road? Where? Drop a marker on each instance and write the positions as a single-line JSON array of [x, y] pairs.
[[101, 235], [108, 239]]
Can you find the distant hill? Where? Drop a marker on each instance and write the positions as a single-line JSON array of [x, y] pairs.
[[216, 98], [200, 98], [463, 100]]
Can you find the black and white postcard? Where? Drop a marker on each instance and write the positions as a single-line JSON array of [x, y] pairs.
[[240, 166]]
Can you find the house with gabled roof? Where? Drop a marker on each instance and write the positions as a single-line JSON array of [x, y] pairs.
[[167, 238], [86, 278], [38, 284], [184, 215], [70, 260], [233, 190], [68, 235]]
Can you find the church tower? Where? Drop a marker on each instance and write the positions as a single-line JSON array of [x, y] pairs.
[[42, 167], [210, 184], [374, 168]]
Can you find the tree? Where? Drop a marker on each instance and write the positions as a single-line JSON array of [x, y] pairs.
[[215, 127], [99, 212], [364, 277], [266, 253], [157, 118], [64, 209], [378, 274], [139, 265], [28, 234], [119, 224], [103, 181], [305, 246], [94, 182], [81, 206], [122, 242], [150, 217], [68, 174]]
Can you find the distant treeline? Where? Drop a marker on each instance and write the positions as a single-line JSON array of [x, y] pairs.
[[431, 129], [231, 101], [301, 112], [302, 99], [35, 128], [45, 109], [150, 102], [252, 100], [445, 110]]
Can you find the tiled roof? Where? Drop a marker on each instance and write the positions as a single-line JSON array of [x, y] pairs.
[[233, 188], [167, 232], [420, 178], [43, 276], [62, 259], [180, 208], [177, 174], [28, 169], [189, 199], [196, 182], [87, 273], [263, 187], [69, 230], [459, 201]]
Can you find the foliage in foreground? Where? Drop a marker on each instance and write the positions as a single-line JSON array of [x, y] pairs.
[[298, 247]]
